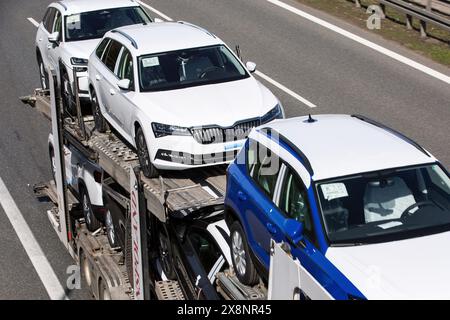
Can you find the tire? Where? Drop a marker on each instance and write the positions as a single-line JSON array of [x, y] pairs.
[[240, 255], [166, 258], [67, 95], [85, 270], [92, 223], [103, 291], [100, 123], [53, 163], [111, 230], [43, 76], [147, 167]]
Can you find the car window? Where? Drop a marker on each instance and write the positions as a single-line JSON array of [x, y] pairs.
[[110, 59], [439, 180], [49, 18], [207, 250], [94, 24], [101, 48], [265, 168], [57, 27], [294, 201], [125, 68]]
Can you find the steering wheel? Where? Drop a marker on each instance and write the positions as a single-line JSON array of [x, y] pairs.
[[407, 212], [209, 70]]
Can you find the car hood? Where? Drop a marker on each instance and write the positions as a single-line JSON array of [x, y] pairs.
[[416, 268], [81, 49], [220, 104]]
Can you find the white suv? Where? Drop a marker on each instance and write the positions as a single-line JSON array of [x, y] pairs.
[[178, 94], [69, 32]]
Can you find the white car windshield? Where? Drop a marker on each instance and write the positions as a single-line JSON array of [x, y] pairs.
[[187, 68], [386, 206], [94, 24]]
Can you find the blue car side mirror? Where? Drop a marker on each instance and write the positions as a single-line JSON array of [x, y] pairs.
[[294, 230]]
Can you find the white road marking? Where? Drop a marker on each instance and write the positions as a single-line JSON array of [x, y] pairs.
[[286, 90], [259, 73], [34, 22], [31, 246], [367, 43], [159, 13]]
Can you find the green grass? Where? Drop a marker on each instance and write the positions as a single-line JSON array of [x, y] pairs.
[[435, 47]]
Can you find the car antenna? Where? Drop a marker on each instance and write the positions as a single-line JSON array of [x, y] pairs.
[[311, 119]]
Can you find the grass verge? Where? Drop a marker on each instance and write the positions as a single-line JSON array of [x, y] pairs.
[[436, 46]]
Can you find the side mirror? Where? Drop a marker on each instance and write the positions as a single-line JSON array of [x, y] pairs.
[[158, 20], [124, 84], [294, 230], [251, 66], [54, 38]]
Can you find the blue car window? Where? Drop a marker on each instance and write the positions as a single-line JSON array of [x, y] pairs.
[[294, 201], [266, 171]]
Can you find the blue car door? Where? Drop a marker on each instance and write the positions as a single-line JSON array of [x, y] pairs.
[[256, 197], [293, 202]]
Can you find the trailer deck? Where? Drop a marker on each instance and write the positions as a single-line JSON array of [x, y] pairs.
[[176, 192]]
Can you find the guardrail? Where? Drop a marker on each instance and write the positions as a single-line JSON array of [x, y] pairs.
[[436, 12]]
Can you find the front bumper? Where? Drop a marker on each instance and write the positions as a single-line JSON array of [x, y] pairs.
[[179, 153]]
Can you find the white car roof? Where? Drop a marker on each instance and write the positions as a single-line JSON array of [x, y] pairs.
[[69, 7], [163, 37], [341, 145]]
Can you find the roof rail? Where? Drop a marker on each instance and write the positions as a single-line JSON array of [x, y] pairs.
[[293, 147], [197, 27], [392, 131], [126, 36], [62, 5]]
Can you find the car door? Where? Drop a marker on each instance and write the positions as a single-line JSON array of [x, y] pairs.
[[257, 199], [53, 50], [107, 79], [293, 202], [120, 102], [206, 261], [43, 32]]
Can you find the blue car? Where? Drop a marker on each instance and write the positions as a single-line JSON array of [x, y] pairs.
[[364, 209]]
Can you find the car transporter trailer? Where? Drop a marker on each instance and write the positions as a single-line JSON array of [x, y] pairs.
[[114, 274]]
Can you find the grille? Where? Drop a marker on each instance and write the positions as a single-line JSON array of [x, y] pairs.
[[218, 134]]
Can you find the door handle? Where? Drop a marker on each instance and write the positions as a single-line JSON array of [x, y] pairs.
[[97, 77], [40, 39], [242, 196], [112, 92], [271, 228]]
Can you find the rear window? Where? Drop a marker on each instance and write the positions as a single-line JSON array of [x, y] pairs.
[[94, 25]]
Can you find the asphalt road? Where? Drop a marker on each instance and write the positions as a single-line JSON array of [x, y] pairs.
[[334, 73]]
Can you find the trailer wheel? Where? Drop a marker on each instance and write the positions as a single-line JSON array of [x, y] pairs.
[[145, 162], [100, 123], [53, 163], [85, 270], [103, 293], [240, 254], [91, 221]]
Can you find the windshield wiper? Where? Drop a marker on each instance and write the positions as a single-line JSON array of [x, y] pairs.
[[347, 244]]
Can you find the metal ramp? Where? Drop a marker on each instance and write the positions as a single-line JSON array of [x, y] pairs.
[[168, 290]]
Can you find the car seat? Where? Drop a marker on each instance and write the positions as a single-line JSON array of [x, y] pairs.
[[386, 199]]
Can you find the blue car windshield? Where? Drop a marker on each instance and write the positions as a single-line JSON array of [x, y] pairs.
[[189, 68], [94, 24], [385, 206]]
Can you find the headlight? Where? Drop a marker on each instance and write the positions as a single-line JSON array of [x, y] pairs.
[[275, 113], [162, 130], [79, 61]]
